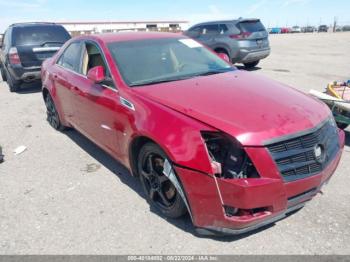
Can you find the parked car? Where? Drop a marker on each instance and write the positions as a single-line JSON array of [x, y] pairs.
[[309, 29], [244, 40], [276, 30], [24, 47], [346, 28], [235, 150], [296, 29], [286, 30], [323, 28]]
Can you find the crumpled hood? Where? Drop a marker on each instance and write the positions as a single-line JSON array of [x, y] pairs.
[[252, 108]]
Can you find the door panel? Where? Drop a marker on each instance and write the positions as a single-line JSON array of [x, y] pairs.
[[64, 77], [62, 81], [95, 113], [208, 34]]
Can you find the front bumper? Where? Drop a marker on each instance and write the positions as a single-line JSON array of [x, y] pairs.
[[269, 197]]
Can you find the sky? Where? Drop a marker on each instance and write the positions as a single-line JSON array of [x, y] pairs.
[[271, 12]]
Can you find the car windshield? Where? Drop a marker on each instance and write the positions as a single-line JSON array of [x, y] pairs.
[[151, 61], [49, 35], [251, 26]]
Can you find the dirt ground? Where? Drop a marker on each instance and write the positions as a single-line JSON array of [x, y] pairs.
[[63, 195]]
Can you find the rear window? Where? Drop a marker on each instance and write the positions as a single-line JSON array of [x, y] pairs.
[[251, 26], [40, 35]]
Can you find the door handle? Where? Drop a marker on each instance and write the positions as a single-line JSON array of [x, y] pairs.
[[75, 89]]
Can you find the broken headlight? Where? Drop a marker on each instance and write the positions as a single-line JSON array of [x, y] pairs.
[[228, 157]]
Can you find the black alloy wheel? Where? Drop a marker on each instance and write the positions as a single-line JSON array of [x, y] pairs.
[[160, 191], [52, 114]]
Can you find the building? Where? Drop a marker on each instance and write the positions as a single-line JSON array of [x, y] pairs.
[[80, 28]]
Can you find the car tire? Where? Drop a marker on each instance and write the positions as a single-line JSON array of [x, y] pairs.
[[159, 190], [52, 114], [14, 85], [3, 75], [251, 65]]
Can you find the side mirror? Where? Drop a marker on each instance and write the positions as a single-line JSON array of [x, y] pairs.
[[96, 74], [224, 57]]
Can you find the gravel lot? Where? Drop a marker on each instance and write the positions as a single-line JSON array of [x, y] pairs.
[[65, 196]]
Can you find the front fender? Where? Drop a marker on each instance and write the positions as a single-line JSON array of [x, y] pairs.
[[177, 134]]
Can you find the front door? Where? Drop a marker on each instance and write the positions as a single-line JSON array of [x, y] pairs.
[[95, 104]]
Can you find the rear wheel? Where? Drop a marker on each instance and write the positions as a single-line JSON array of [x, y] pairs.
[[14, 85], [52, 114], [159, 190], [252, 64]]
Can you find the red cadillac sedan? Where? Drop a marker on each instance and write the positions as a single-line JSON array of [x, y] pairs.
[[234, 150]]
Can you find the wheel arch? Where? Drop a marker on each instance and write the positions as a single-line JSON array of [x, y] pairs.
[[135, 146], [221, 49]]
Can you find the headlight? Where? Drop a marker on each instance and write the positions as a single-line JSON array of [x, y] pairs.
[[228, 156]]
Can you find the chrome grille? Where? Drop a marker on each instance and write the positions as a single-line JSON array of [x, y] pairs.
[[296, 157]]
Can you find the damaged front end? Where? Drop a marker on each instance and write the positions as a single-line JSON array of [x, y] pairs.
[[228, 158], [232, 166], [245, 189]]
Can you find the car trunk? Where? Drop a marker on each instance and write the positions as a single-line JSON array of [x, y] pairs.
[[34, 55], [36, 43], [256, 36]]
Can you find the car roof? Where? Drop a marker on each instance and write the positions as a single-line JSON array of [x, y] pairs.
[[32, 24], [129, 36], [227, 21]]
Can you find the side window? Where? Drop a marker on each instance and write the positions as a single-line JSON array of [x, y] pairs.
[[195, 32], [70, 58], [210, 30], [92, 57], [223, 29], [196, 29]]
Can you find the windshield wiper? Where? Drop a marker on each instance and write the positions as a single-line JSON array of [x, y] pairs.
[[145, 83], [178, 78], [213, 72]]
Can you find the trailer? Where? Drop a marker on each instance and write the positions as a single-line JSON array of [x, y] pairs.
[[337, 97]]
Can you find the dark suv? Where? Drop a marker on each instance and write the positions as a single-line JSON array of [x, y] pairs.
[[323, 29], [24, 47], [244, 40]]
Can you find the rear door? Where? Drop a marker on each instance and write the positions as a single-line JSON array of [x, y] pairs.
[[256, 36], [35, 43], [64, 77], [208, 34]]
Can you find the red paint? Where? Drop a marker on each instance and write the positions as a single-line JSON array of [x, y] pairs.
[[251, 108]]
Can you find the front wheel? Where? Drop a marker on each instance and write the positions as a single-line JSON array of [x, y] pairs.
[[251, 65], [159, 190]]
